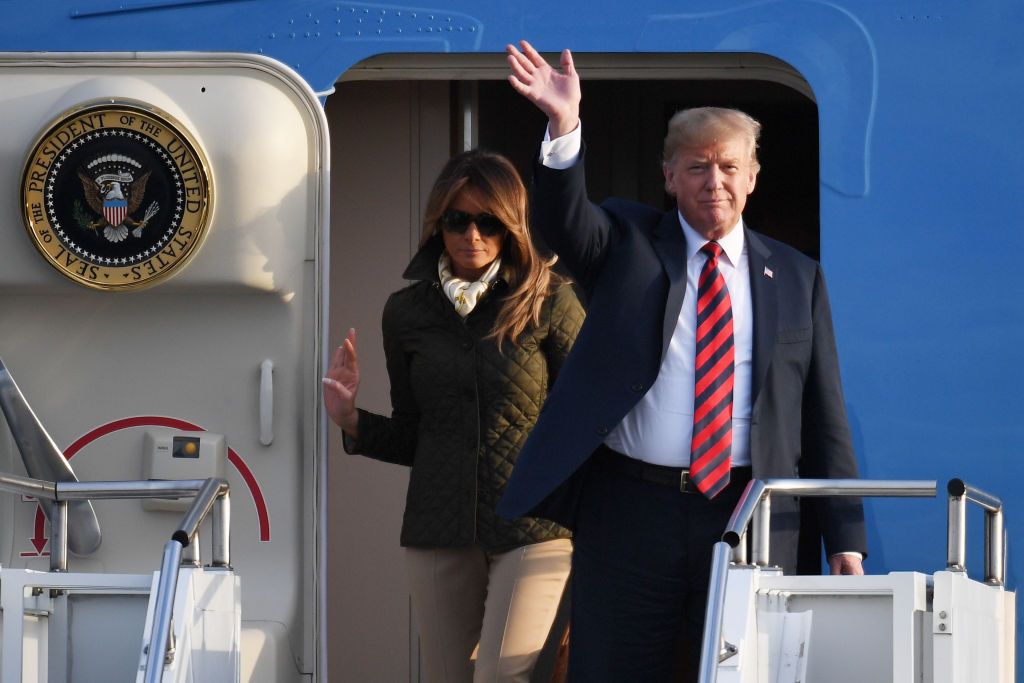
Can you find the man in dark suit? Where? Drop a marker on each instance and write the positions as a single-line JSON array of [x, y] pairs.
[[707, 357]]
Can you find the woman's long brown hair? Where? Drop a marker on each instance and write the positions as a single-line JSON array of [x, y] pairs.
[[501, 191]]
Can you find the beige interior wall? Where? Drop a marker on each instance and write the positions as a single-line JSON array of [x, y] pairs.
[[388, 142]]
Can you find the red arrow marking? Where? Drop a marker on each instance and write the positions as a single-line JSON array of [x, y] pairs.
[[40, 539], [174, 423]]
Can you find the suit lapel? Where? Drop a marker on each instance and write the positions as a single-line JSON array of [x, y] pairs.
[[671, 249], [765, 305]]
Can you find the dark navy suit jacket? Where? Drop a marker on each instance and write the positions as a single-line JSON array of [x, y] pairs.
[[630, 261]]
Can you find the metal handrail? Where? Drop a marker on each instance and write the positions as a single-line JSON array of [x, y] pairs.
[[755, 504], [160, 627], [956, 532], [60, 494], [163, 602], [44, 461], [66, 495], [211, 495]]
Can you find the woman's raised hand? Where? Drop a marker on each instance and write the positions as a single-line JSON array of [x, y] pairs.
[[555, 93], [341, 385]]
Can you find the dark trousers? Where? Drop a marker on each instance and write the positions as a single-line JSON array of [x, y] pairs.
[[641, 563]]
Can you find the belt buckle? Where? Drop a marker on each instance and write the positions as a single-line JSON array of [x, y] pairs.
[[684, 480]]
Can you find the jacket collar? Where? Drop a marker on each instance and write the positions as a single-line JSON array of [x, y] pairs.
[[423, 265], [671, 249]]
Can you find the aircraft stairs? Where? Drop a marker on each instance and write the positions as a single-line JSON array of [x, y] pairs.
[[180, 623], [764, 627]]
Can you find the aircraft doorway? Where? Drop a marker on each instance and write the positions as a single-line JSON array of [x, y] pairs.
[[394, 120]]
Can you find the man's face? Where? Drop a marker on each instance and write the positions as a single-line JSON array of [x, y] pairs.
[[711, 184]]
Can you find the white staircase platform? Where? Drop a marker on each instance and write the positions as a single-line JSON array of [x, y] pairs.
[[899, 627], [85, 627]]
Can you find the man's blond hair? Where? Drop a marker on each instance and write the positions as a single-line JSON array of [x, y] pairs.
[[701, 126]]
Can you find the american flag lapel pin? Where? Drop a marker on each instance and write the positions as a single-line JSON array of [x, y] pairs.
[[768, 273]]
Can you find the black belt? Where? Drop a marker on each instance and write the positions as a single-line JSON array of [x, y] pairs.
[[676, 477]]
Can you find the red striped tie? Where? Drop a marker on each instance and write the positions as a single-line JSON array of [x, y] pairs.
[[713, 376]]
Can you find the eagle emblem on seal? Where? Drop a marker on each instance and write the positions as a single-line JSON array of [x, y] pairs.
[[114, 186]]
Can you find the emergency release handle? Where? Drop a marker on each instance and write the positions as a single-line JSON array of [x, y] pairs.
[[267, 402]]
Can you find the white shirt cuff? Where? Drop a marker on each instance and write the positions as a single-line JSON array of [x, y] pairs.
[[853, 553], [562, 152]]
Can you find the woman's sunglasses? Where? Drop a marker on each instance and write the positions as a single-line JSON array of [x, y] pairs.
[[458, 222]]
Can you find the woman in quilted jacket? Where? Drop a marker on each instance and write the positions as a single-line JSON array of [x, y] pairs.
[[472, 347]]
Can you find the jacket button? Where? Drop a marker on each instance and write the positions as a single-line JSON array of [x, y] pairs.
[[466, 345], [637, 387], [602, 431]]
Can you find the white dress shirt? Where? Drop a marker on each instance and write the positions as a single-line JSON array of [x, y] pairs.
[[659, 427]]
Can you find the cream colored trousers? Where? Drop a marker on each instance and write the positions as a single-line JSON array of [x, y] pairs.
[[483, 618]]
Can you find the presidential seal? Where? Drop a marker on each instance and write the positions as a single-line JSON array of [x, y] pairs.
[[117, 195]]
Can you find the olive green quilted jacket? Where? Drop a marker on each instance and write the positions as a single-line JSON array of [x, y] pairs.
[[461, 410]]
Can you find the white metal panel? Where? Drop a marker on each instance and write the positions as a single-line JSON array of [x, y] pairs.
[[973, 628], [878, 609], [206, 628], [903, 626], [864, 628], [260, 132], [189, 348], [26, 649], [104, 633]]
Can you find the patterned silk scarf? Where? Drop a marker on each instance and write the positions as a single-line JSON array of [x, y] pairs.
[[462, 293]]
